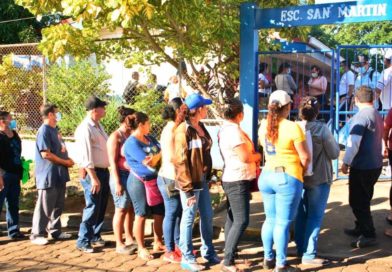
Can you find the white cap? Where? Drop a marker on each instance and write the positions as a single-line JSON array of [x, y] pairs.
[[280, 96], [388, 54]]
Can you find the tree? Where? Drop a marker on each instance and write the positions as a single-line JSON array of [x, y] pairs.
[[202, 33], [24, 31]]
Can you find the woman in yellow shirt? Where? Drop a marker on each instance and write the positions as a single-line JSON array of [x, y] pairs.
[[281, 182]]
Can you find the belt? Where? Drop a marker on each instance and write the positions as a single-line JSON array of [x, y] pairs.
[[100, 169]]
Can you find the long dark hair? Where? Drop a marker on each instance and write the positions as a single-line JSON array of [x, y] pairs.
[[169, 112], [124, 112], [135, 119], [309, 108], [275, 111]]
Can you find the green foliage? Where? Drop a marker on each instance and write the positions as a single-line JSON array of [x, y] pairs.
[[111, 120], [355, 34], [149, 103], [69, 86], [21, 92], [203, 33], [20, 31]]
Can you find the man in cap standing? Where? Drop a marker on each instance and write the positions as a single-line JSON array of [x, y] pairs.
[[94, 174], [384, 84]]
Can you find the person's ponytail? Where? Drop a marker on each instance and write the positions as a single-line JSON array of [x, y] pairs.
[[275, 110]]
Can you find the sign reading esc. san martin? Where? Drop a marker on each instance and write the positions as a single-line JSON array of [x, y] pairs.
[[333, 13]]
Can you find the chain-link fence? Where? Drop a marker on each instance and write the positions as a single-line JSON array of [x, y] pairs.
[[27, 81]]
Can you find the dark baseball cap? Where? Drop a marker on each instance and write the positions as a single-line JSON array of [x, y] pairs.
[[94, 102]]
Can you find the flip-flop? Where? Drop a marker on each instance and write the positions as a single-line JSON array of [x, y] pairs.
[[145, 255]]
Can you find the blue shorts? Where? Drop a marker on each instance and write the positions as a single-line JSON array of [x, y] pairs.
[[123, 201], [139, 199]]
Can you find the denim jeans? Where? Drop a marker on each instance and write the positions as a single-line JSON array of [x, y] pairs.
[[94, 212], [203, 203], [237, 218], [281, 194], [309, 218], [172, 219], [123, 201], [10, 194], [137, 192]]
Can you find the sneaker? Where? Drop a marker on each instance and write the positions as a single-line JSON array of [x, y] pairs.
[[40, 241], [63, 236], [363, 241], [86, 249], [123, 250], [268, 264], [193, 267], [99, 242], [315, 261], [171, 257], [355, 232], [213, 260], [287, 268], [17, 236]]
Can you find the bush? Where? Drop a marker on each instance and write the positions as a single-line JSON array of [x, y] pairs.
[[149, 102], [69, 87]]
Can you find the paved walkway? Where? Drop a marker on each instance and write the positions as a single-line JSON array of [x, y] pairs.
[[63, 256]]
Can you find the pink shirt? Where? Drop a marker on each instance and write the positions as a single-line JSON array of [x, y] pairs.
[[319, 82]]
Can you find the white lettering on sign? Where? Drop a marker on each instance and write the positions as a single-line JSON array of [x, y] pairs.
[[289, 15], [318, 13], [362, 11]]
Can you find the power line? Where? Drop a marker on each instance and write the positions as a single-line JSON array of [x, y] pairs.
[[16, 20]]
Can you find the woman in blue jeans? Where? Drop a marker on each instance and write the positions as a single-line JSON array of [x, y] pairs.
[[316, 187], [193, 163], [281, 181], [239, 171], [142, 152], [166, 177]]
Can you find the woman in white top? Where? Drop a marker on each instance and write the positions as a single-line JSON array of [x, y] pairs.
[[166, 177], [240, 161]]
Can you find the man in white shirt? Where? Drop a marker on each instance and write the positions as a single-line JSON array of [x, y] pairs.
[[384, 84], [94, 174], [367, 76], [346, 85]]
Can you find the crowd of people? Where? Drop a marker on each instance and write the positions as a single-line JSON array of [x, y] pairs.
[[169, 178]]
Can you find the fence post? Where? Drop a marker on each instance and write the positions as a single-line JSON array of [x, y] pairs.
[[249, 44]]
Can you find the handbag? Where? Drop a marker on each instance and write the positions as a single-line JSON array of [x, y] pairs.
[[153, 195]]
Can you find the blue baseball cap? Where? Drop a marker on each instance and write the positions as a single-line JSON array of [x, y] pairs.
[[195, 101]]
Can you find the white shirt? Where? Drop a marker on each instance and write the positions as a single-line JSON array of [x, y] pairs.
[[347, 79], [231, 136], [91, 141], [385, 85], [173, 91], [167, 169], [266, 82]]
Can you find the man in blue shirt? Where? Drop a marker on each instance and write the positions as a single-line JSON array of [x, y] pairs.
[[364, 159], [51, 174]]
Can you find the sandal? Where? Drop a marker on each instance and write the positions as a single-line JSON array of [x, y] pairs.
[[145, 255], [157, 247], [231, 268]]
